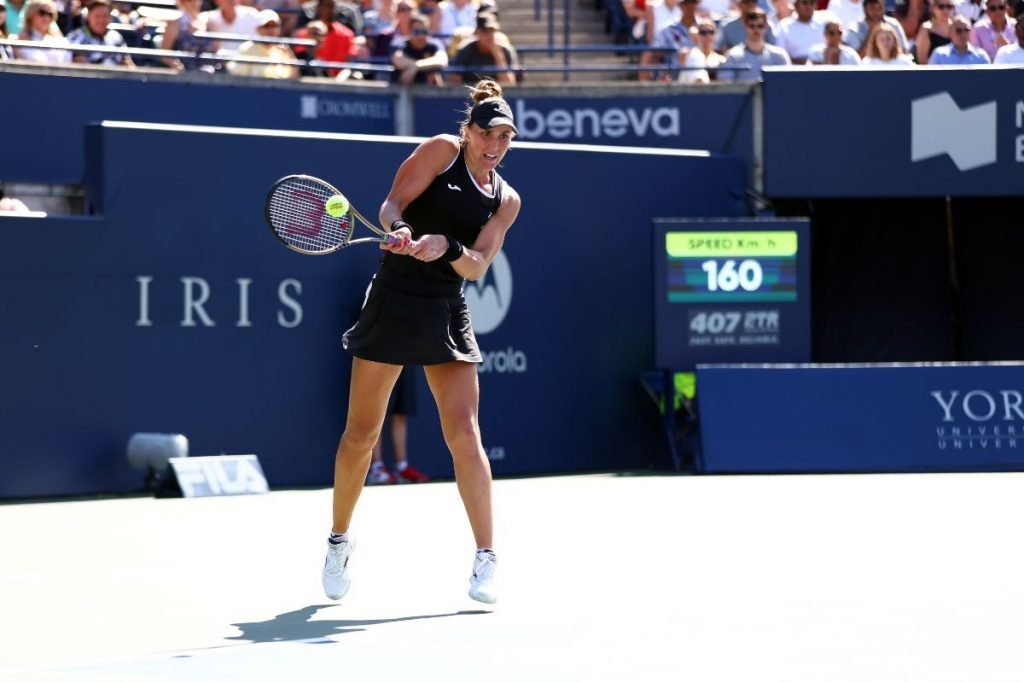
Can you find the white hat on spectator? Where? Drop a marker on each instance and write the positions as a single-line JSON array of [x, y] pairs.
[[269, 16]]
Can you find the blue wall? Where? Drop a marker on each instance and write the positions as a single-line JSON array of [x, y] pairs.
[[921, 132], [85, 365], [862, 418]]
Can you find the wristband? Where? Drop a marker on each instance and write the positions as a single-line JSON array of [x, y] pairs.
[[454, 249], [399, 224]]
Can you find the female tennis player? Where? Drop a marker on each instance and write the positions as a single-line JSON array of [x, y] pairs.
[[450, 210]]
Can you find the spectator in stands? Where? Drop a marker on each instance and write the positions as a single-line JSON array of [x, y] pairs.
[[636, 14], [40, 27], [329, 11], [833, 52], [754, 53], [431, 9], [269, 26], [995, 30], [972, 10], [1013, 54], [6, 52], [883, 48], [849, 12], [393, 37], [95, 31], [422, 58], [485, 51], [911, 14], [15, 15], [231, 17], [380, 18], [670, 42], [69, 14], [935, 32], [335, 43], [660, 15], [180, 34], [458, 19], [715, 9], [702, 56], [733, 30], [781, 9], [874, 15], [959, 50], [799, 33]]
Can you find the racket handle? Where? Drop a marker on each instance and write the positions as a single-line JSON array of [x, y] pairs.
[[390, 239]]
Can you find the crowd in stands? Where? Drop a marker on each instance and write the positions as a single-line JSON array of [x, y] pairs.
[[439, 42], [434, 42], [695, 41]]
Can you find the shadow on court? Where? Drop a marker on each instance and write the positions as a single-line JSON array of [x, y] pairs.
[[299, 625]]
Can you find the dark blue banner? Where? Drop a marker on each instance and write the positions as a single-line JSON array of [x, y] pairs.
[[926, 132], [51, 113], [731, 290], [718, 122], [176, 311], [862, 418]]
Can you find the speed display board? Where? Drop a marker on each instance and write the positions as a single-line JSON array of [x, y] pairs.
[[731, 291]]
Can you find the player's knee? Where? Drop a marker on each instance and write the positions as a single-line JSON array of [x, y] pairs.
[[463, 436], [358, 441]]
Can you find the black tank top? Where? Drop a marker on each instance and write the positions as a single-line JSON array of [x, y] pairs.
[[451, 205]]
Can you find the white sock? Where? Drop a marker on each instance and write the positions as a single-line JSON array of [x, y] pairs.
[[338, 538]]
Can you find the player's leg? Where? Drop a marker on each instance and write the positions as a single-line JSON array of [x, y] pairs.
[[367, 404], [368, 400], [457, 393]]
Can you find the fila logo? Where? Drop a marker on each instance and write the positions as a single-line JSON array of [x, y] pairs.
[[454, 187], [939, 126]]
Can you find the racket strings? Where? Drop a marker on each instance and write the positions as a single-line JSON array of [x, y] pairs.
[[297, 214]]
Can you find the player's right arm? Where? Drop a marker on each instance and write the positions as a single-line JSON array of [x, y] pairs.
[[414, 176]]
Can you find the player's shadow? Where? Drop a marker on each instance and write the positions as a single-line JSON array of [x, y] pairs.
[[300, 625]]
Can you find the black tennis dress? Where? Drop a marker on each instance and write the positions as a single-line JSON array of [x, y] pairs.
[[415, 312]]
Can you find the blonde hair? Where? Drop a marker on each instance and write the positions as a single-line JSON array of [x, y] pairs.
[[31, 8], [872, 49]]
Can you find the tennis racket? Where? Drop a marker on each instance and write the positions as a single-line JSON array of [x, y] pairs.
[[296, 212]]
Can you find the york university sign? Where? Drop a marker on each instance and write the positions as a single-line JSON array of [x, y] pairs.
[[979, 419]]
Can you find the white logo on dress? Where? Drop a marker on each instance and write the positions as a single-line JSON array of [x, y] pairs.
[[454, 187]]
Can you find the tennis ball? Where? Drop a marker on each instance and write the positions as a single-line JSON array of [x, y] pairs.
[[336, 206]]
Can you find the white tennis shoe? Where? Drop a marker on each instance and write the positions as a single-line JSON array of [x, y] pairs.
[[336, 578], [481, 583]]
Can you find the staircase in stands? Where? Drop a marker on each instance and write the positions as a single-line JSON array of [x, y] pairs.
[[527, 27]]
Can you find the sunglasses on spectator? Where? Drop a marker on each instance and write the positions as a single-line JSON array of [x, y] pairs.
[[420, 32], [45, 13], [996, 8], [834, 32], [756, 27], [706, 31], [944, 6]]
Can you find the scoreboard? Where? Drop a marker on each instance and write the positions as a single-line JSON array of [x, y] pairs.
[[731, 291]]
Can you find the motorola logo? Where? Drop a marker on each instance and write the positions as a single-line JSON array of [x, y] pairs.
[[490, 297]]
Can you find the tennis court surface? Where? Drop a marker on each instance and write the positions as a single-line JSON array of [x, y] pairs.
[[603, 578]]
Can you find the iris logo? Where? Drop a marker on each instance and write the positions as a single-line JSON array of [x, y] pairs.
[[490, 297], [938, 126]]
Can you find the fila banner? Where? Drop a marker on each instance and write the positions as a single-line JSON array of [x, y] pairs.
[[925, 132], [935, 417]]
